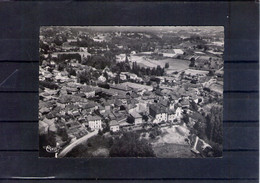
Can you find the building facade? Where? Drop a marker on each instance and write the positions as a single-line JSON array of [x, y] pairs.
[[94, 122]]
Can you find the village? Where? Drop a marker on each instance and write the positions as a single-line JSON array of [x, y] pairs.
[[166, 87]]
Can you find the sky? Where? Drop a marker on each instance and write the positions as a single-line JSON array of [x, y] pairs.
[[149, 28]]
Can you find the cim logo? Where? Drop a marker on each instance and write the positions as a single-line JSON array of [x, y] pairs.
[[50, 149]]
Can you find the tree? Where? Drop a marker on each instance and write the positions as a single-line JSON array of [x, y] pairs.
[[64, 135], [130, 145], [71, 71], [185, 118], [58, 41], [200, 125], [61, 66], [130, 120], [84, 77], [105, 75], [211, 73], [155, 132], [106, 128], [193, 81], [145, 117], [194, 106], [100, 132], [122, 108], [214, 125], [192, 62]]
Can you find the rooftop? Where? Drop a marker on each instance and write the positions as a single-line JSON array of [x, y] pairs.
[[158, 108], [120, 87], [87, 89], [93, 118], [135, 114], [113, 123]]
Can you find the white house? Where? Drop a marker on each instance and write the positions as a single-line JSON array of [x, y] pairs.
[[161, 117], [132, 76], [102, 78], [114, 126], [94, 122], [122, 76], [178, 113], [171, 106], [88, 91], [178, 51], [171, 116]]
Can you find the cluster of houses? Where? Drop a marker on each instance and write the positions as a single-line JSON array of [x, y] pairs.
[[76, 109], [90, 106]]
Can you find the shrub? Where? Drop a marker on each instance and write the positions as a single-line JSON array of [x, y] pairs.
[[129, 145]]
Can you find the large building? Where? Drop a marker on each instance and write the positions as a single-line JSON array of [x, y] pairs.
[[94, 122], [88, 91], [158, 112], [114, 126], [136, 117]]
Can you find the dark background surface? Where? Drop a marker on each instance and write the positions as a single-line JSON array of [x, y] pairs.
[[19, 37]]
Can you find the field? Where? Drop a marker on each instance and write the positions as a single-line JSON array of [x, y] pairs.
[[172, 144], [174, 64], [194, 72], [173, 151]]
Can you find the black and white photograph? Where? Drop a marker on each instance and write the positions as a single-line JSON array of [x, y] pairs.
[[131, 91]]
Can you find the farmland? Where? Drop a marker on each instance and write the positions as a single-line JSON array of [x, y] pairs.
[[174, 64]]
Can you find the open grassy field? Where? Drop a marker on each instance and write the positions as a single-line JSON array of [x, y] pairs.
[[172, 144], [194, 72], [174, 64], [173, 151]]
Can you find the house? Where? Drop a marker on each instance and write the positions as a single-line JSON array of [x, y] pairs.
[[114, 126], [171, 116], [88, 91], [178, 51], [72, 40], [164, 103], [101, 109], [71, 91], [111, 116], [158, 112], [172, 104], [123, 99], [91, 106], [185, 103], [136, 117], [142, 107], [123, 77], [102, 78], [75, 113], [107, 105], [69, 109], [178, 113], [94, 122], [132, 76], [118, 103]]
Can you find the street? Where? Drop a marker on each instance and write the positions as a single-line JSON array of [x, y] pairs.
[[75, 143]]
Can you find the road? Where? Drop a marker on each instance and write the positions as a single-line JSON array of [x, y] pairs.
[[75, 143]]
